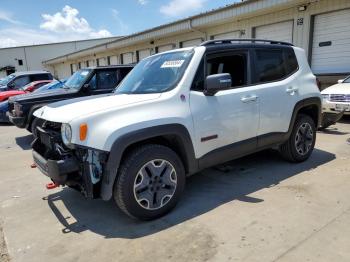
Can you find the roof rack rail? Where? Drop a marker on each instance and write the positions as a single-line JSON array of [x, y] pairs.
[[252, 40]]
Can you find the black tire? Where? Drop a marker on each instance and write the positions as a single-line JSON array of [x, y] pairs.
[[33, 127], [290, 150], [125, 194]]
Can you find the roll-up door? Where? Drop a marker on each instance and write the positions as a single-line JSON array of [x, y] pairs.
[[331, 43], [165, 48], [113, 60], [282, 31], [127, 58], [190, 43], [144, 53], [102, 61], [228, 35]]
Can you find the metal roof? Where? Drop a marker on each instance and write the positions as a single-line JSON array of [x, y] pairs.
[[216, 16]]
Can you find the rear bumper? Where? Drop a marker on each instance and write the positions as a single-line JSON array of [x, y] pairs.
[[57, 170], [330, 118], [16, 120]]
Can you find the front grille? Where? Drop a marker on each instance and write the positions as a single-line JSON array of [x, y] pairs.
[[340, 98]]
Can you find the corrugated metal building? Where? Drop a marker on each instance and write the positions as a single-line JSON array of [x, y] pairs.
[[318, 26], [25, 58]]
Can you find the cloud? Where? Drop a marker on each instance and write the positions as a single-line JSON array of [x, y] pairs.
[[17, 36], [142, 2], [123, 28], [181, 7], [68, 22], [8, 17]]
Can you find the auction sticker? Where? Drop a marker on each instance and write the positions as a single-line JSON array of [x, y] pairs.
[[173, 63]]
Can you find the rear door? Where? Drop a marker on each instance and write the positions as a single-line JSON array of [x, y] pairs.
[[275, 74]]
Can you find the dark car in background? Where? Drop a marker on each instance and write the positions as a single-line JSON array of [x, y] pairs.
[[84, 82], [20, 79]]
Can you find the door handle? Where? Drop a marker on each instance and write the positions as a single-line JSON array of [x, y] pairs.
[[247, 99], [291, 90]]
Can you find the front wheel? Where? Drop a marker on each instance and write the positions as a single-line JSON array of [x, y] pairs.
[[301, 142], [150, 182]]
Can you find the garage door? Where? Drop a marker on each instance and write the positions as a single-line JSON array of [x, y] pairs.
[[280, 31], [193, 42], [165, 48], [144, 53], [228, 35], [102, 61], [113, 60], [331, 43], [127, 58]]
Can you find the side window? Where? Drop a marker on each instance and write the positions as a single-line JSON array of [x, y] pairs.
[[274, 64], [21, 81], [39, 77], [107, 79], [234, 64], [92, 83]]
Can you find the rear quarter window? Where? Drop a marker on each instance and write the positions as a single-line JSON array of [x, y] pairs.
[[274, 64], [39, 77]]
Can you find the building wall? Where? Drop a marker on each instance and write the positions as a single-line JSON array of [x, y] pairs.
[[32, 56], [302, 28]]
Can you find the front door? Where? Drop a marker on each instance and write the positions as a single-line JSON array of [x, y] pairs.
[[228, 120]]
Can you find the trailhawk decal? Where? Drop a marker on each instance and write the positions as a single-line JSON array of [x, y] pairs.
[[173, 63]]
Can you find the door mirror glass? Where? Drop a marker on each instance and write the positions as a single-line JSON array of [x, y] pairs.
[[11, 85], [340, 81], [216, 83]]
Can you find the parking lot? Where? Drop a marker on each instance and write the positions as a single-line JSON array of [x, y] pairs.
[[258, 208]]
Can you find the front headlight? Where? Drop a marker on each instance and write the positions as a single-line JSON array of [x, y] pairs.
[[66, 133], [326, 97]]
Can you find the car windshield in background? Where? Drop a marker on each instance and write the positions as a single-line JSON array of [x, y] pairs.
[[347, 80], [156, 74], [77, 79], [6, 80]]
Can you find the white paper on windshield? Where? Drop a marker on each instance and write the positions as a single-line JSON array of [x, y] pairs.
[[173, 63], [84, 73]]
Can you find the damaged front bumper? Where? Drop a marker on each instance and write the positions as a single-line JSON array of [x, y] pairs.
[[79, 168]]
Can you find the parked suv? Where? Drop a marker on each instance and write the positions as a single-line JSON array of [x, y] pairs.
[[179, 112], [20, 79], [85, 82]]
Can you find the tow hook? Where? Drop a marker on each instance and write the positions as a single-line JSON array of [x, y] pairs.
[[51, 185]]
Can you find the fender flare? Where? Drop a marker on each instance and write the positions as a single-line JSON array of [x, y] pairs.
[[122, 143], [311, 101]]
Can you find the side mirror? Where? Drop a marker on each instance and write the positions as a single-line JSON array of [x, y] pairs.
[[11, 85], [216, 83], [85, 88], [340, 81]]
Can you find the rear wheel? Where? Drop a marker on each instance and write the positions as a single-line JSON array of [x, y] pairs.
[[301, 142], [150, 182]]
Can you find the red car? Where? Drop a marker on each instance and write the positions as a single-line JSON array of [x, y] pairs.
[[26, 89]]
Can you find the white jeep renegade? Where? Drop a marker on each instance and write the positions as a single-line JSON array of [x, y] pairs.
[[176, 113]]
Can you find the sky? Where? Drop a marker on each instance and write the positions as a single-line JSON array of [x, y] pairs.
[[24, 22]]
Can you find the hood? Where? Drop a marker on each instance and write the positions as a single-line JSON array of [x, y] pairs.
[[39, 96], [66, 111], [11, 93], [338, 89]]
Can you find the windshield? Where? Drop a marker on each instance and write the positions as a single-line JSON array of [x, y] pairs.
[[156, 74], [77, 79], [347, 80], [6, 80]]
